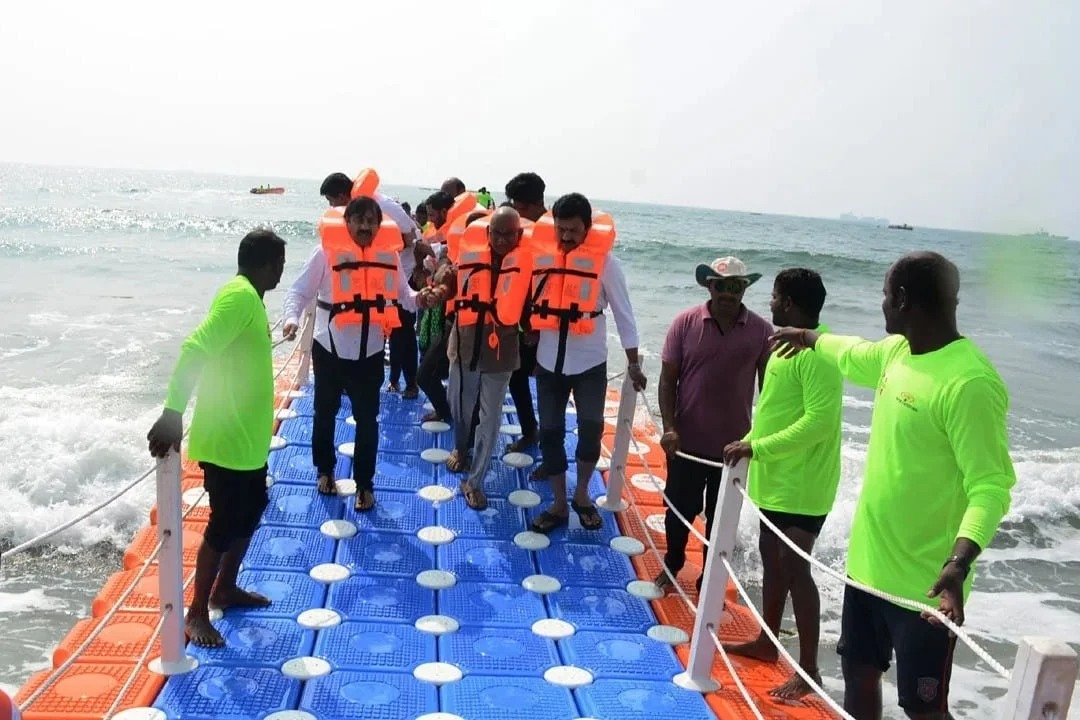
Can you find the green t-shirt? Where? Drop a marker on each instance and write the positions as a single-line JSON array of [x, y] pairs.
[[937, 466], [796, 435], [229, 356]]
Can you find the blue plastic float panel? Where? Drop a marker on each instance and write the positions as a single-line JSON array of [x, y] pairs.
[[543, 487], [372, 643]]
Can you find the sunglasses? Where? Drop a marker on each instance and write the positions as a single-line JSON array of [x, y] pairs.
[[728, 285]]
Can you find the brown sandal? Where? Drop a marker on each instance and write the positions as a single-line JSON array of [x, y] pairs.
[[474, 497], [456, 463]]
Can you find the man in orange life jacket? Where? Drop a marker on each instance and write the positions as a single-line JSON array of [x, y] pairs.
[[574, 280], [490, 283], [348, 348]]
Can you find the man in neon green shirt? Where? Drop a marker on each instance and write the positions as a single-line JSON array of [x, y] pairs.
[[794, 444], [229, 356], [937, 483]]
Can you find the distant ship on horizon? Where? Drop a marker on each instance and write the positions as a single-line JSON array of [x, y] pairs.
[[865, 220], [1043, 235]]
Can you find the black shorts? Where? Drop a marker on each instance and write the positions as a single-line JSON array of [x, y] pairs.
[[872, 628], [237, 501], [810, 523]]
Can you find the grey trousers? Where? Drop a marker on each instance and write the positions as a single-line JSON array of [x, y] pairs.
[[467, 388]]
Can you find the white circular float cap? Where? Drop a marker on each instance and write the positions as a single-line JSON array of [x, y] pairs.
[[277, 442], [318, 619], [345, 487], [436, 493], [440, 716], [529, 540], [350, 420], [436, 580], [571, 410], [510, 429], [285, 413], [568, 676], [437, 624], [603, 463], [435, 426], [305, 668], [338, 529], [346, 449], [288, 394], [435, 455], [437, 673], [644, 481], [329, 573], [645, 589], [655, 523], [627, 545], [523, 499], [435, 535], [518, 460], [291, 715], [196, 497], [553, 629], [140, 713], [541, 584], [215, 613], [668, 634]]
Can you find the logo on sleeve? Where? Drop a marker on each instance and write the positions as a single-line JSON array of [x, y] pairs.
[[907, 400]]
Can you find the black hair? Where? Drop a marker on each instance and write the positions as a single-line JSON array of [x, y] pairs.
[[406, 207], [573, 205], [804, 288], [526, 187], [506, 203], [930, 281], [259, 248], [482, 189], [336, 184], [440, 201], [362, 206]]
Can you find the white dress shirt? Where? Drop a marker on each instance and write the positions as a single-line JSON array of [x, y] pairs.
[[314, 282], [587, 351]]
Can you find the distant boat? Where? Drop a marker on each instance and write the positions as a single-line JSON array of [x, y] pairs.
[[267, 190], [1043, 235], [905, 226]]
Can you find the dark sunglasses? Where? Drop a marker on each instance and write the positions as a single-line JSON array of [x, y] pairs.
[[728, 285]]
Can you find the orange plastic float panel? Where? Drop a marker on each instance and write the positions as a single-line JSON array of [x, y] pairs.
[[190, 468], [144, 542], [654, 526], [639, 485], [122, 640], [86, 691], [143, 598], [201, 512]]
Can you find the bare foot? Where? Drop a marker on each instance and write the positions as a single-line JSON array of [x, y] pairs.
[[201, 632], [795, 688], [326, 485], [238, 597], [759, 649]]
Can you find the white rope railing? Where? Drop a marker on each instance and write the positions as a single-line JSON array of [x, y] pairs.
[[53, 532]]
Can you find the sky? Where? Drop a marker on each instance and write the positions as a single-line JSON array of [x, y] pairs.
[[946, 114]]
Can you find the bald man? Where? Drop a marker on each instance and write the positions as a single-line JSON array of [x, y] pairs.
[[453, 186], [483, 343]]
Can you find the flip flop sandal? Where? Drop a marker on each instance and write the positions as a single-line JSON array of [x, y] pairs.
[[546, 522], [588, 515], [474, 497]]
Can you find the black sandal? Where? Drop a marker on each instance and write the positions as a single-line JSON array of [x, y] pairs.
[[588, 515], [547, 521]]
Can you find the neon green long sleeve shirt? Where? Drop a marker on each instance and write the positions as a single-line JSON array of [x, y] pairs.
[[796, 435], [229, 357], [937, 466]]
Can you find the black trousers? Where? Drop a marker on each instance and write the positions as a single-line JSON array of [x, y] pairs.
[[404, 352], [519, 388], [361, 380], [434, 368], [689, 484]]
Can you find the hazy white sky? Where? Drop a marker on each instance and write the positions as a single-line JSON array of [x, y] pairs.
[[959, 113]]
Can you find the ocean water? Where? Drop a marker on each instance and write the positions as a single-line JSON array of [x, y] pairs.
[[104, 272]]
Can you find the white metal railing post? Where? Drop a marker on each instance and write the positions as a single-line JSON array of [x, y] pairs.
[[620, 448], [173, 660], [698, 675], [307, 322], [1043, 680]]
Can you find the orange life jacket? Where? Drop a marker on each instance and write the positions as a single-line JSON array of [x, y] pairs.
[[364, 281], [566, 286], [366, 183], [483, 300]]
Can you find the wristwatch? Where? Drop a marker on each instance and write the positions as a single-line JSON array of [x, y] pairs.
[[960, 562]]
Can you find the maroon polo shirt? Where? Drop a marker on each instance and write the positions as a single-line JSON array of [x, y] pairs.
[[717, 376]]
